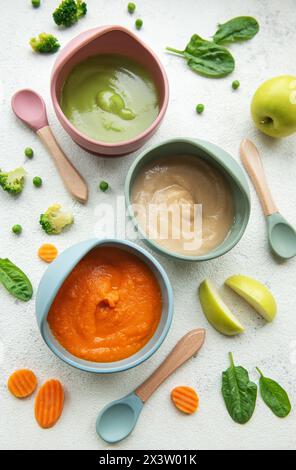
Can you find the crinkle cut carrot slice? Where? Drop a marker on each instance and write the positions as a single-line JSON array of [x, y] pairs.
[[22, 383], [49, 403], [185, 399], [47, 252]]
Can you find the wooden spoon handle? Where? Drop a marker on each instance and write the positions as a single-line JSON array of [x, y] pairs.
[[74, 182], [253, 164], [189, 345]]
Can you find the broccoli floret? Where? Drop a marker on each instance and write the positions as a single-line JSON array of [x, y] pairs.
[[44, 43], [54, 220], [81, 8], [13, 181], [69, 12]]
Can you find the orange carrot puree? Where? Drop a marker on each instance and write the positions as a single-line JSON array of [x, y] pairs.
[[108, 308]]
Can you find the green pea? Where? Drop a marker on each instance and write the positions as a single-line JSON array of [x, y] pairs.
[[29, 152], [139, 23], [103, 186], [36, 3], [200, 108], [37, 181], [131, 7], [235, 84], [17, 229]]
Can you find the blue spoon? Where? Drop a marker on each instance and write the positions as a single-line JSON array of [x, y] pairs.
[[117, 420]]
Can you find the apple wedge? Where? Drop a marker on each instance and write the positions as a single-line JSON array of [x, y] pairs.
[[255, 293], [216, 311]]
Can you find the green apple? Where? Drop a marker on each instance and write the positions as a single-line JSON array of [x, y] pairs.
[[255, 293], [273, 106], [216, 311]]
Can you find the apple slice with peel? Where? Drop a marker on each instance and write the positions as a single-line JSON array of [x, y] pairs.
[[255, 293], [216, 311]]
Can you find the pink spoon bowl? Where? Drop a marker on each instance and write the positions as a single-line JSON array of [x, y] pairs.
[[108, 40]]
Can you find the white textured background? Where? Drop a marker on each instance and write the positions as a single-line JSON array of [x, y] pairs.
[[226, 121]]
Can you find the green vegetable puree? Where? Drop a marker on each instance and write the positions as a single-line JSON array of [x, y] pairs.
[[110, 98]]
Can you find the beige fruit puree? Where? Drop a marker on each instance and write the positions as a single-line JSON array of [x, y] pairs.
[[199, 202]]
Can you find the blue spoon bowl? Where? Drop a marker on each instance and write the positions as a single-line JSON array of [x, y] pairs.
[[118, 419], [281, 236]]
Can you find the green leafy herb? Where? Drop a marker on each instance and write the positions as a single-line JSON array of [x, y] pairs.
[[209, 58], [15, 281], [240, 28], [239, 393], [275, 397], [206, 57]]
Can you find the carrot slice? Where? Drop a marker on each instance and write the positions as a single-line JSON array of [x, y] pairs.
[[22, 383], [49, 403], [47, 252], [185, 399]]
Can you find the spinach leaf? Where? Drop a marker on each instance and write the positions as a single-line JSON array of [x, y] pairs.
[[239, 393], [275, 397], [241, 28], [15, 281], [206, 58]]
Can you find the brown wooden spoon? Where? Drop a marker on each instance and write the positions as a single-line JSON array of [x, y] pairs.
[[281, 234], [30, 108]]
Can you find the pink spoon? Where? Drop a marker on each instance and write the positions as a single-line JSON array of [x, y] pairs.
[[30, 108]]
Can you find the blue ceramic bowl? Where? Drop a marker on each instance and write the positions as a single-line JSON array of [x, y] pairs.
[[54, 277], [215, 156]]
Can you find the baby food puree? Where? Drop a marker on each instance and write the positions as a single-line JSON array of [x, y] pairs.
[[110, 98], [184, 204], [108, 308]]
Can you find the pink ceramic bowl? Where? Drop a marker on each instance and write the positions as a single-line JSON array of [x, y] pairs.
[[108, 40]]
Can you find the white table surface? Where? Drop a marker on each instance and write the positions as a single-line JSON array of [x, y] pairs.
[[226, 121]]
